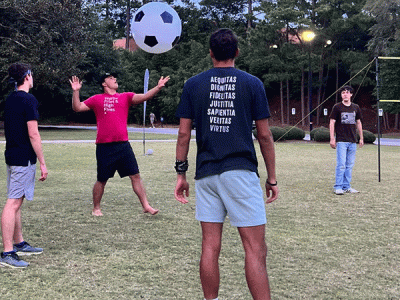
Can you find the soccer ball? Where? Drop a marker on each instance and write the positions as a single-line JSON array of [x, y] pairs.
[[156, 27]]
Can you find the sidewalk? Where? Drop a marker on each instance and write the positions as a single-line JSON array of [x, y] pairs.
[[383, 141], [165, 130], [172, 131]]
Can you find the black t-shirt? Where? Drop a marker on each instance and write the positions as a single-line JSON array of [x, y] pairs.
[[224, 102], [20, 108], [346, 119]]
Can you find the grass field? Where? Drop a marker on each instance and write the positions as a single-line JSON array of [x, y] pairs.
[[321, 246]]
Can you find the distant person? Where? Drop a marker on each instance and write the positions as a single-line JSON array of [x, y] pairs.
[[152, 119], [23, 149], [113, 150], [345, 121], [162, 122], [224, 101]]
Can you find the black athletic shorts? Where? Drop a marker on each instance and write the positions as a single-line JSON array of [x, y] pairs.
[[113, 157]]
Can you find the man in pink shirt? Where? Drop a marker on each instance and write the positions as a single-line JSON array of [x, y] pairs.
[[113, 150]]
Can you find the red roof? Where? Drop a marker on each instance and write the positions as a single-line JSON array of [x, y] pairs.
[[121, 43]]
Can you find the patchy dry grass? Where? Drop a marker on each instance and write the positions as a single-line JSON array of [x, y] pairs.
[[321, 246]]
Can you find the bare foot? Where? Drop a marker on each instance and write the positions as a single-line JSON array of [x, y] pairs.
[[150, 210], [97, 213]]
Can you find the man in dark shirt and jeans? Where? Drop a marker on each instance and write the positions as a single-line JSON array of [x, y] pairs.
[[345, 121], [23, 148]]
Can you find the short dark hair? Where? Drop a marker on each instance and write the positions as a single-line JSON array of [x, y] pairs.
[[224, 44], [346, 88], [18, 72]]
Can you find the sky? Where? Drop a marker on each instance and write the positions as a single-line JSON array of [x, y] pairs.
[[178, 2]]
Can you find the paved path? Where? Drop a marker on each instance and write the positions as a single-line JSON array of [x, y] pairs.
[[388, 142], [166, 130], [383, 141]]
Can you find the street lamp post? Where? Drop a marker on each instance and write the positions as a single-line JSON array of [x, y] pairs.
[[308, 36], [310, 90]]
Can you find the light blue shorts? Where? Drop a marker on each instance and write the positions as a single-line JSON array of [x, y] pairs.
[[21, 181], [235, 193]]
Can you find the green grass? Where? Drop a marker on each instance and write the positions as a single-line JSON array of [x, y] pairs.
[[321, 246]]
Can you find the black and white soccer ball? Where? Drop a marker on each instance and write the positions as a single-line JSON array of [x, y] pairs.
[[156, 27]]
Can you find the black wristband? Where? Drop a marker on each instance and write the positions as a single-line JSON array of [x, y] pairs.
[[181, 166], [274, 184]]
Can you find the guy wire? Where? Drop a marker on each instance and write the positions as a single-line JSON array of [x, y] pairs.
[[367, 66]]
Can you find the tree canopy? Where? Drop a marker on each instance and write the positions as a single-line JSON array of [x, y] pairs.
[[61, 38]]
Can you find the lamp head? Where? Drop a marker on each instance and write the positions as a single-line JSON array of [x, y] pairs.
[[308, 35]]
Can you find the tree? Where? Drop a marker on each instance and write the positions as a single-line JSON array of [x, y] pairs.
[[237, 15], [385, 42], [61, 38], [286, 20], [387, 27], [49, 35], [115, 13]]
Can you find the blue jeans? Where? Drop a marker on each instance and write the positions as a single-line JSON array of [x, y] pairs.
[[345, 158]]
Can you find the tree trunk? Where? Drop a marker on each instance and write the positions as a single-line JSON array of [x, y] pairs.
[[128, 23], [281, 91], [309, 99], [325, 83], [287, 103], [302, 97], [396, 121], [320, 80], [250, 13], [386, 121], [313, 11], [107, 9], [337, 81]]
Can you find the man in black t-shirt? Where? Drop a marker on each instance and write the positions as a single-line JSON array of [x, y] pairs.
[[224, 101], [23, 148], [345, 121]]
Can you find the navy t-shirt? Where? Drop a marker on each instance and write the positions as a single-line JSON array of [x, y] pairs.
[[20, 108], [224, 102]]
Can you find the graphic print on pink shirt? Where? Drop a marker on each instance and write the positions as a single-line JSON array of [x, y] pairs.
[[111, 115]]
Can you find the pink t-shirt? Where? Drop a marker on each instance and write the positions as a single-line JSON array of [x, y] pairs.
[[112, 116]]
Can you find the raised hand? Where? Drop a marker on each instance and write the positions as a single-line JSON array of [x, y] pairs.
[[76, 84], [162, 81]]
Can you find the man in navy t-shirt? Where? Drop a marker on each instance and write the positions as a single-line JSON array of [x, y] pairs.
[[224, 101], [23, 149]]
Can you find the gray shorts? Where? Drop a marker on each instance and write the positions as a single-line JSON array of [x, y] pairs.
[[21, 181], [236, 193]]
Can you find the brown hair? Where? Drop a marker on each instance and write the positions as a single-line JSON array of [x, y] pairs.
[[346, 88], [18, 72]]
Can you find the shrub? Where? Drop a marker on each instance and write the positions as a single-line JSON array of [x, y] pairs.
[[312, 133], [278, 133], [294, 133], [287, 133], [369, 137], [322, 135]]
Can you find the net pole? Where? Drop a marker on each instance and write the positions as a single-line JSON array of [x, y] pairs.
[[384, 57], [379, 119], [145, 89]]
